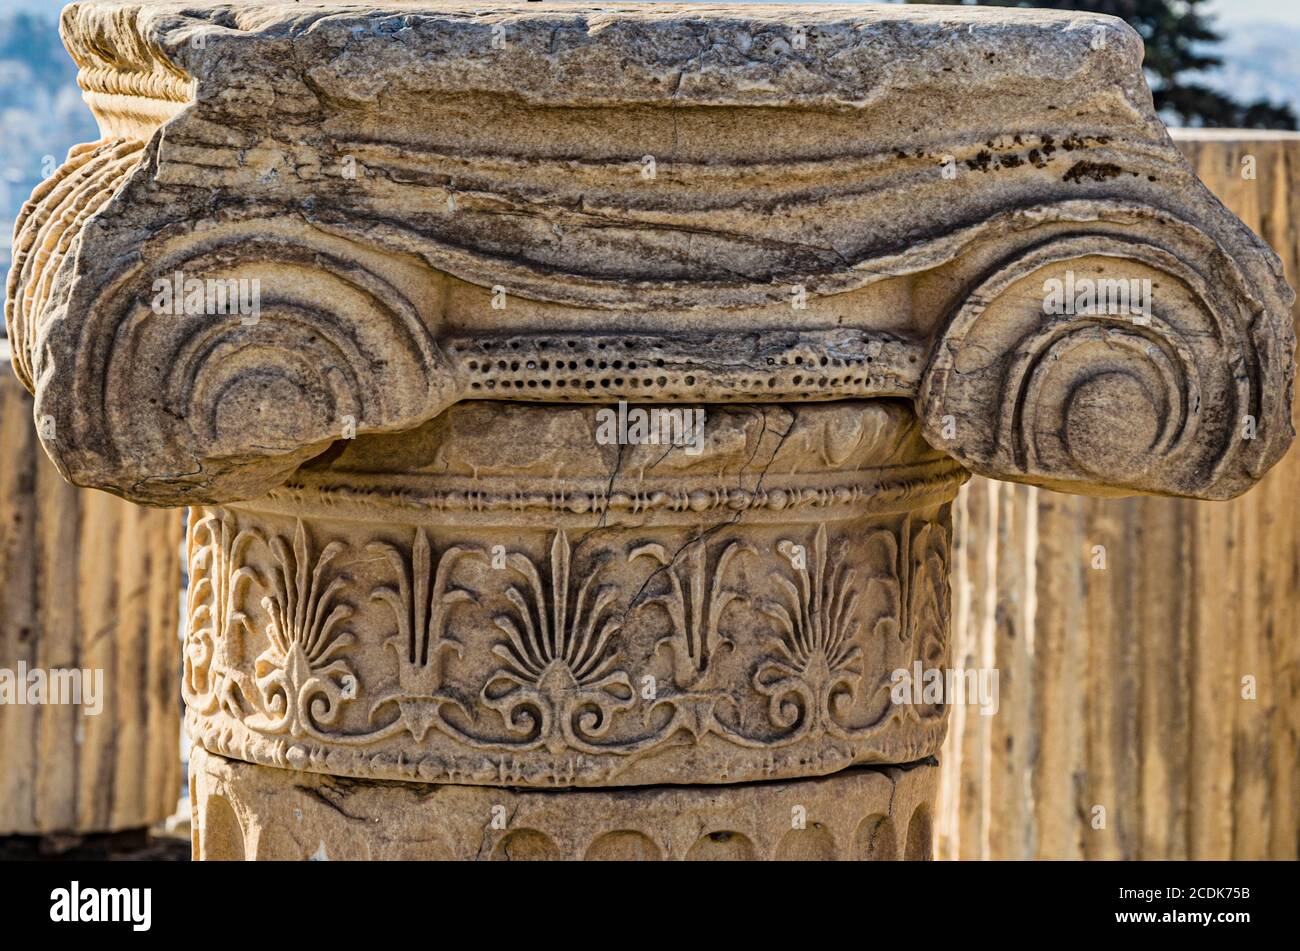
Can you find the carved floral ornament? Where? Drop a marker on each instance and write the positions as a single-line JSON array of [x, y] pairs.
[[567, 656], [563, 688]]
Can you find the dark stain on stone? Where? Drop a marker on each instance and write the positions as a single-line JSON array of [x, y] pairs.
[[1092, 171], [981, 162]]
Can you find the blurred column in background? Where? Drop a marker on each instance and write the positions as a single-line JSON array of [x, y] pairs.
[[86, 581], [1122, 686]]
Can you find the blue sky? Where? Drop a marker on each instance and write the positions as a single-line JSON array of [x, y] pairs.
[[1232, 13]]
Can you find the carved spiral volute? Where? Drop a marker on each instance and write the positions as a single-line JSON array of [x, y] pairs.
[[235, 355], [1104, 363]]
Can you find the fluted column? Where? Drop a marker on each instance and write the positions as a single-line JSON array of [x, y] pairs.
[[88, 583]]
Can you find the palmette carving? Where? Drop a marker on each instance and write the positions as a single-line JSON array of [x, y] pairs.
[[558, 682], [816, 667], [928, 607], [772, 679], [695, 612], [301, 679], [695, 637], [523, 638]]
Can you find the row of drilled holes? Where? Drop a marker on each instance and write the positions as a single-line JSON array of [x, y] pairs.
[[591, 363], [486, 366], [618, 382]]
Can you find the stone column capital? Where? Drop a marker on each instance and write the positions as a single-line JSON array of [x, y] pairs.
[[387, 211]]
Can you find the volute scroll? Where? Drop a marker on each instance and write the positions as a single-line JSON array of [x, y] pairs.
[[1102, 362]]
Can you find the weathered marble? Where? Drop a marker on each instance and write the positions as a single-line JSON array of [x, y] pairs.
[[586, 614], [471, 231], [381, 171], [242, 811]]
